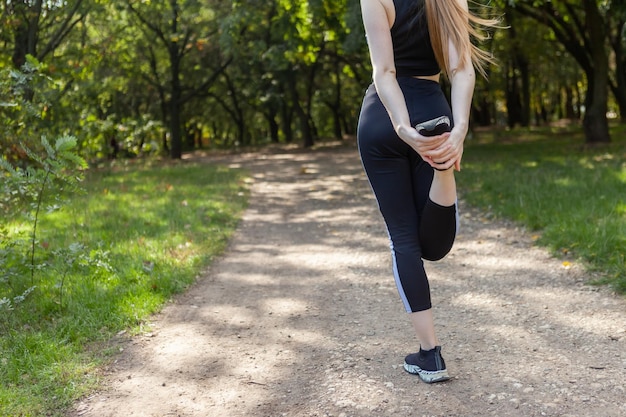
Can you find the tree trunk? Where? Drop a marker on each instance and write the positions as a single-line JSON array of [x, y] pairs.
[[570, 112], [20, 48], [27, 31], [619, 88], [524, 68], [308, 139], [336, 107], [595, 121], [579, 102], [273, 127], [176, 140], [518, 81], [348, 124], [242, 139], [287, 118], [513, 100], [237, 113], [481, 110], [305, 128]]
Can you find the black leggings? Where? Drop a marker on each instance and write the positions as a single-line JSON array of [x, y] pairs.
[[418, 228]]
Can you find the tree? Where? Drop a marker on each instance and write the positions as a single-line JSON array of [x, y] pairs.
[[517, 72], [38, 27], [299, 65], [186, 30], [579, 27]]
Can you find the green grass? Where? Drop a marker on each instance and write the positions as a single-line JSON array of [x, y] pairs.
[[160, 226], [157, 228], [573, 196]]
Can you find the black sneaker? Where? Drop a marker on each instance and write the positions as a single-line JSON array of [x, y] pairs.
[[428, 365]]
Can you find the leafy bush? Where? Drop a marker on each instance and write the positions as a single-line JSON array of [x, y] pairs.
[[35, 178]]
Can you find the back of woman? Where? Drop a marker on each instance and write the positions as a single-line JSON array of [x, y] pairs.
[[411, 171]]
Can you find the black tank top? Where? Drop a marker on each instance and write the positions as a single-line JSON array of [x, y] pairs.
[[413, 53]]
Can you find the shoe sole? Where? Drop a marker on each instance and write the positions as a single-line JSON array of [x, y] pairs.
[[427, 376]]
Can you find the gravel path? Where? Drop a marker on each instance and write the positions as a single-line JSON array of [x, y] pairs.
[[301, 317]]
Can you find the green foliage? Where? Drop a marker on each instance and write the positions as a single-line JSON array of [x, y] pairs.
[[298, 66], [248, 72], [34, 179], [7, 305], [37, 187], [20, 113], [30, 191]]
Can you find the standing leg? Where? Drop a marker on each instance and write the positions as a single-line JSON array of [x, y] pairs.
[[437, 232], [424, 326]]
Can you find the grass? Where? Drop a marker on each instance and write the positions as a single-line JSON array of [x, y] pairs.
[[572, 196], [155, 229], [158, 227]]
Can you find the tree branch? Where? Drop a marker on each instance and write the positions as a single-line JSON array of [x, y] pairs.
[[547, 15], [64, 29], [154, 28], [197, 91]]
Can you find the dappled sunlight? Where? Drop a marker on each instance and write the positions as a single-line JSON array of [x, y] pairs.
[[563, 182], [340, 217], [231, 315], [483, 301], [302, 317], [324, 261], [258, 280], [293, 335], [284, 307], [587, 319], [182, 346], [530, 164], [570, 192]]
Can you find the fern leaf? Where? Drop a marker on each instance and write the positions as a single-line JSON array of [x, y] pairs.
[[65, 143], [72, 157], [4, 164], [32, 155], [49, 149]]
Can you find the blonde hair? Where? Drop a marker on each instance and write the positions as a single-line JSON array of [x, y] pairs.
[[448, 21]]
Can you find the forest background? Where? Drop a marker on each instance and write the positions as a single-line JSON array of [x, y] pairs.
[[100, 100], [145, 77]]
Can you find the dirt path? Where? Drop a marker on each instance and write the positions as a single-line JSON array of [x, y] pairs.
[[301, 318]]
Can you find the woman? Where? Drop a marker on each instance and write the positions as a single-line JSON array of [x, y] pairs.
[[412, 175]]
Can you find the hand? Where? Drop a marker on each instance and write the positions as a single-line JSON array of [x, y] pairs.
[[450, 152], [427, 147]]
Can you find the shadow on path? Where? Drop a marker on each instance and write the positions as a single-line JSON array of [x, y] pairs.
[[301, 318]]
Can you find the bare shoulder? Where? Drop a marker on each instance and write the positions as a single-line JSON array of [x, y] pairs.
[[375, 7]]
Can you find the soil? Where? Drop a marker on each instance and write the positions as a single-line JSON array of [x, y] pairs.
[[301, 317]]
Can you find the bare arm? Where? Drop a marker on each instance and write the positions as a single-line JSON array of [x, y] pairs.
[[377, 18]]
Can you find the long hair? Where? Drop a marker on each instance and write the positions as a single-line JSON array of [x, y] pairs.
[[449, 21]]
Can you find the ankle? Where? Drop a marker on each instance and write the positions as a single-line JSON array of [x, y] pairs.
[[425, 347]]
